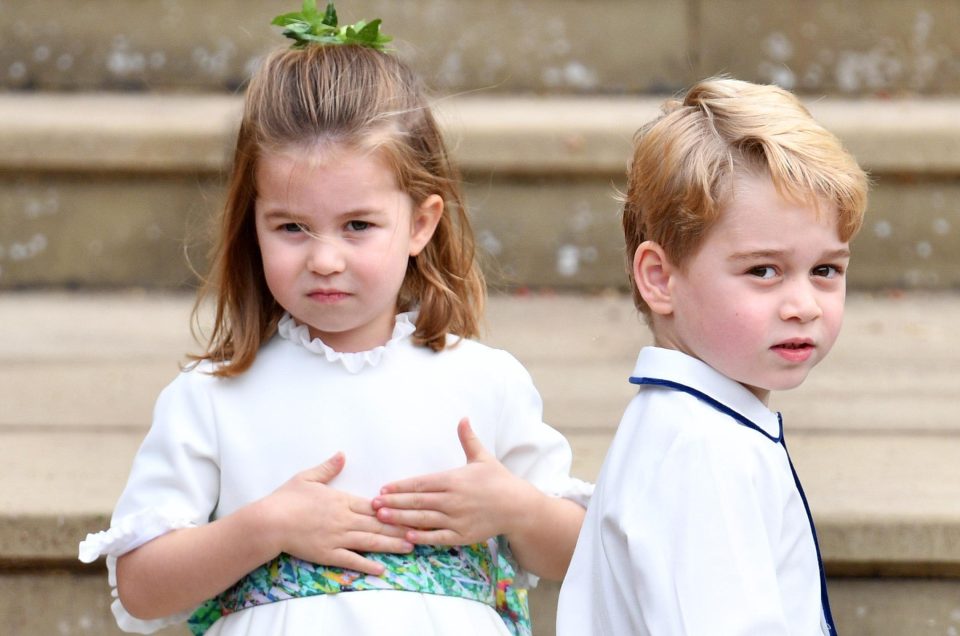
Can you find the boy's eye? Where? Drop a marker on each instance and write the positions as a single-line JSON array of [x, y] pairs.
[[764, 271], [357, 226], [827, 271]]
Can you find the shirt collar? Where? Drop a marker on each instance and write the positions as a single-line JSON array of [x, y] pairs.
[[675, 367], [354, 362]]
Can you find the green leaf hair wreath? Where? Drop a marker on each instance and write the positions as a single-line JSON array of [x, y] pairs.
[[310, 26]]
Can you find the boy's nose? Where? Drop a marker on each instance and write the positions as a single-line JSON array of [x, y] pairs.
[[800, 303], [325, 257]]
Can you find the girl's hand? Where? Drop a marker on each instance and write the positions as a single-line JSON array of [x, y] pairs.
[[461, 506], [317, 523]]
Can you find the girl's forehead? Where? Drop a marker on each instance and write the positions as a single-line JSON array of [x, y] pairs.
[[296, 175], [304, 159], [313, 154]]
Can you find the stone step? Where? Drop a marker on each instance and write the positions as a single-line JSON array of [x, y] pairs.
[[873, 434], [846, 47], [101, 190]]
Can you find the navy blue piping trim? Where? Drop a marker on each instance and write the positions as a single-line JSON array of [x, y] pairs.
[[824, 598], [703, 397], [723, 408]]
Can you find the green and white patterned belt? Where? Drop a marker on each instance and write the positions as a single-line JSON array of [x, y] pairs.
[[478, 572]]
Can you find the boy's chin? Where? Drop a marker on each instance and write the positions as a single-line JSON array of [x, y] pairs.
[[780, 384], [774, 385]]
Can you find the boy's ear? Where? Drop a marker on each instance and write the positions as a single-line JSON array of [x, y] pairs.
[[651, 274], [424, 222]]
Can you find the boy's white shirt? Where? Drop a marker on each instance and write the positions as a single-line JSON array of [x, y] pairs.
[[696, 525]]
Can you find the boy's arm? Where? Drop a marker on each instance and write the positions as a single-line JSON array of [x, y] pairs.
[[481, 500], [700, 533]]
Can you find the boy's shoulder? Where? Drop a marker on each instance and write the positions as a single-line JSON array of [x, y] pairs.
[[662, 410], [669, 437], [685, 391]]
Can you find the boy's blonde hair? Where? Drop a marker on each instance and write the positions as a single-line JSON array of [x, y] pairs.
[[685, 162], [357, 98]]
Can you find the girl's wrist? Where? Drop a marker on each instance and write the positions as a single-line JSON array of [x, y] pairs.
[[264, 527], [525, 507]]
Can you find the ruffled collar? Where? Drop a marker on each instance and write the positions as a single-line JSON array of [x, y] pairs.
[[354, 362]]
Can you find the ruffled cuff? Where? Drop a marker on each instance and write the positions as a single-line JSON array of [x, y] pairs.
[[134, 625], [123, 536], [576, 490]]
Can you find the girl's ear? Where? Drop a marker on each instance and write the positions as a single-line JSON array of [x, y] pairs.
[[651, 274], [424, 222]]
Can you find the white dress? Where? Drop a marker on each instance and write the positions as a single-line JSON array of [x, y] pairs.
[[697, 525], [218, 444]]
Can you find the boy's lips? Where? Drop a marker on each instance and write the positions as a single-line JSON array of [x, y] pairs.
[[795, 349]]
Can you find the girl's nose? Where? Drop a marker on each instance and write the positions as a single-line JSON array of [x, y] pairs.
[[325, 257], [800, 303]]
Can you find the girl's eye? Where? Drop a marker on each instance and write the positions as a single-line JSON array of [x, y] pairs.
[[764, 271], [827, 271], [357, 226], [291, 227]]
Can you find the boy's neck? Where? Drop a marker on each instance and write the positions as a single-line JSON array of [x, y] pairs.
[[665, 343]]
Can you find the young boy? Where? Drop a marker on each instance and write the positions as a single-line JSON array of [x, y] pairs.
[[738, 217]]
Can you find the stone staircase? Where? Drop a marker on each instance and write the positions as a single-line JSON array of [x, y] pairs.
[[116, 123]]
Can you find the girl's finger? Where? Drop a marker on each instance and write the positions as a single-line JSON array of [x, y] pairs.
[[369, 542], [414, 518], [374, 526], [360, 506], [473, 448], [435, 537], [343, 558], [326, 471], [423, 483], [410, 501]]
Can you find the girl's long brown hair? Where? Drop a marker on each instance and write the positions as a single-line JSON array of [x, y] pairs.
[[359, 98]]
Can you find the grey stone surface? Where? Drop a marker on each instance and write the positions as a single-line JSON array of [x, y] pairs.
[[850, 47], [512, 134], [77, 604], [895, 607], [95, 229], [873, 435], [873, 429], [133, 182], [499, 45]]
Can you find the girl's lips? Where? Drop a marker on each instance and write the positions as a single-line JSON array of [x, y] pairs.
[[327, 295], [794, 350]]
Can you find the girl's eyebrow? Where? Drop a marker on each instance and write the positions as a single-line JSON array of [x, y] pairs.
[[272, 215], [293, 217]]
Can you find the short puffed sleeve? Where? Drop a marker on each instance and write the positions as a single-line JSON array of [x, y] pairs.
[[526, 445], [174, 483]]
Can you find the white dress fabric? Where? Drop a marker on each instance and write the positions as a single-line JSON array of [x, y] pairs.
[[217, 444], [696, 525]]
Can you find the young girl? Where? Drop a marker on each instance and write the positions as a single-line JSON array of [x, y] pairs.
[[314, 449]]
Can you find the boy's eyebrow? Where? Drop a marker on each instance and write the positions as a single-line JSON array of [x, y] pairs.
[[843, 252]]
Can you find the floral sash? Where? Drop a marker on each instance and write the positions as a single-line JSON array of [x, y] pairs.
[[478, 572]]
